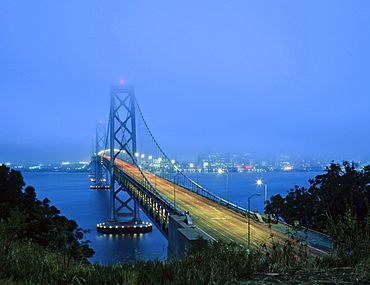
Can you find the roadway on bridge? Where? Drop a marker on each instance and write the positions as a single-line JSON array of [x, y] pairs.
[[212, 219]]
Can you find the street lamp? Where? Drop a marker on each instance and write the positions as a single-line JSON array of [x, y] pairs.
[[227, 185], [260, 182], [249, 219], [227, 181], [142, 161], [160, 166], [174, 188], [196, 170]]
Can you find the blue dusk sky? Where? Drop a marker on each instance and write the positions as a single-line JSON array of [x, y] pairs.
[[240, 76]]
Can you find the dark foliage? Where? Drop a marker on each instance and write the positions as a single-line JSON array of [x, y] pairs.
[[23, 216], [11, 185], [340, 189]]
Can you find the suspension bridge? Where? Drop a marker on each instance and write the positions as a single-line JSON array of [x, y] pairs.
[[128, 160]]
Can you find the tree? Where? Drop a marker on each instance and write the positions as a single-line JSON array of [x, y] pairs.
[[29, 196], [296, 206], [43, 223], [11, 185], [12, 228], [340, 189]]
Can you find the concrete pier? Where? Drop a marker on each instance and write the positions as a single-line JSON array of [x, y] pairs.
[[182, 237]]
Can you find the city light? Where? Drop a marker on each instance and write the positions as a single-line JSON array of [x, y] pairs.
[[108, 150]]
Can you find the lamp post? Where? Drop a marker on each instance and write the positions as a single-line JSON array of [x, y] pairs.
[[227, 185], [260, 182], [160, 166], [191, 165], [227, 181], [249, 219], [150, 163], [137, 158], [174, 188], [142, 161]]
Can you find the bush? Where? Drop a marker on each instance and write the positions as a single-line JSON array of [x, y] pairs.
[[350, 239]]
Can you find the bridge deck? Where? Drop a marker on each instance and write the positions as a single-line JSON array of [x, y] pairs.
[[211, 219]]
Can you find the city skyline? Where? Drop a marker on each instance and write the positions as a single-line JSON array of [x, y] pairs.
[[258, 77], [208, 162]]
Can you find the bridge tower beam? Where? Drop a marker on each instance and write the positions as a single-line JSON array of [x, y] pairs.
[[99, 172], [122, 137]]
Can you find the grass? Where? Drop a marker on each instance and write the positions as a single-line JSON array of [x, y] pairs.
[[27, 263], [226, 263]]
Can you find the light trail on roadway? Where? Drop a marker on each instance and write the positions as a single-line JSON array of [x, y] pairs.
[[210, 218]]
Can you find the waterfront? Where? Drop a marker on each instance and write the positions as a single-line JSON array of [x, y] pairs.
[[71, 194]]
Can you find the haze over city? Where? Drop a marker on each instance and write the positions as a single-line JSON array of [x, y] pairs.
[[231, 76]]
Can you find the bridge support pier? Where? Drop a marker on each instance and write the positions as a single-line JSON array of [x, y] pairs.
[[183, 238], [113, 226]]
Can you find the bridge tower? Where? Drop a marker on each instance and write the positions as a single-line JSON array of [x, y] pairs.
[[100, 173], [122, 143]]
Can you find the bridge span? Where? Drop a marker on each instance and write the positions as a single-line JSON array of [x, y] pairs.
[[185, 213], [211, 220]]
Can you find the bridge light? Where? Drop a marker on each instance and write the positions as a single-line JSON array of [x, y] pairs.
[[150, 157], [136, 154], [219, 170], [172, 161], [143, 155]]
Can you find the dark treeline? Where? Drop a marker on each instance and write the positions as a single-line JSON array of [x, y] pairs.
[[24, 217], [331, 196], [336, 203]]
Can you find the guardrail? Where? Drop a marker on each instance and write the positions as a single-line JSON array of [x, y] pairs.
[[194, 187], [145, 183]]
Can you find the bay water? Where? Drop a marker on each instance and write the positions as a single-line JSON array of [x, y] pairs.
[[71, 194]]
